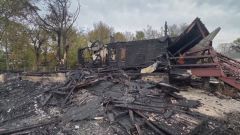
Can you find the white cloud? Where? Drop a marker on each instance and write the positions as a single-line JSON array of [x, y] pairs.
[[132, 15]]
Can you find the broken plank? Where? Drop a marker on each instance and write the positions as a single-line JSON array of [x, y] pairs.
[[149, 123], [140, 132], [29, 127], [69, 94], [137, 107], [165, 128]]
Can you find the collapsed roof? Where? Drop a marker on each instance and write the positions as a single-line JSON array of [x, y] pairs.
[[193, 34]]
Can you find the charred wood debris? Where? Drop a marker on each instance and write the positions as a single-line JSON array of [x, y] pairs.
[[122, 102]]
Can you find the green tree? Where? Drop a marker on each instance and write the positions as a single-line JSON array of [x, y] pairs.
[[101, 32], [38, 38], [236, 45], [59, 20], [151, 33], [140, 35], [230, 49], [119, 37], [79, 41], [16, 46], [237, 41], [175, 30], [129, 36], [12, 16], [14, 10], [2, 61]]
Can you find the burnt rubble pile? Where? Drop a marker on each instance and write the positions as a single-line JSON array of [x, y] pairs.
[[18, 99], [128, 104], [20, 109], [123, 104]]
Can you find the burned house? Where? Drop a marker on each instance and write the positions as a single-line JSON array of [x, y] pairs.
[[191, 51], [142, 53], [131, 54], [136, 53]]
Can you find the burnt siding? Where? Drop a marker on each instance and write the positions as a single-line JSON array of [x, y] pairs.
[[138, 53]]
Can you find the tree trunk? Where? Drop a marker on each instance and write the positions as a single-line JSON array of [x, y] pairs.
[[7, 62], [59, 37], [66, 56], [37, 60], [65, 47], [46, 65]]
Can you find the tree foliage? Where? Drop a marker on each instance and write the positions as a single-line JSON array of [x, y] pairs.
[[119, 37], [140, 35], [59, 20], [230, 49], [151, 33], [39, 38], [175, 30], [35, 35], [101, 32]]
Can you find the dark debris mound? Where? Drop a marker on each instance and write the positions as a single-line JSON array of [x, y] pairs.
[[111, 101], [17, 99]]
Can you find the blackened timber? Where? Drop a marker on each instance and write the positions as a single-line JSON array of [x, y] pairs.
[[122, 114], [131, 116], [140, 107], [47, 99], [111, 117], [170, 87], [187, 45], [69, 94], [160, 125], [28, 127], [149, 123], [153, 127], [140, 132], [140, 104]]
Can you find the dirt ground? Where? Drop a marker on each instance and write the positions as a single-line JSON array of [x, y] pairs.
[[60, 77], [211, 105]]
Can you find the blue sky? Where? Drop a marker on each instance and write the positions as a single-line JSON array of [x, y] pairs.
[[132, 15]]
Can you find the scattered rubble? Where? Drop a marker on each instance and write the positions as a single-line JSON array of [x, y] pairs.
[[93, 102]]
